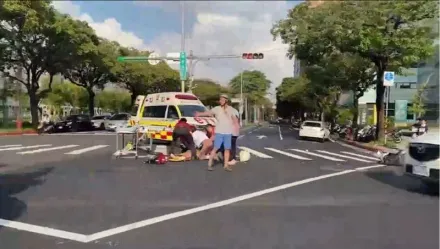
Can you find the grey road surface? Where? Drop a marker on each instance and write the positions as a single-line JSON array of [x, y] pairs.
[[86, 200]]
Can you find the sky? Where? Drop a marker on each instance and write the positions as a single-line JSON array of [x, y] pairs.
[[212, 28]]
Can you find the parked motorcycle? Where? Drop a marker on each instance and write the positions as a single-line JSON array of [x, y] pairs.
[[45, 127], [396, 136]]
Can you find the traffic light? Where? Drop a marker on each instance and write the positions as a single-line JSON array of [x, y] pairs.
[[252, 56]]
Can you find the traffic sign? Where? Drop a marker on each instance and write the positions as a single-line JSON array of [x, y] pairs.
[[132, 58], [152, 59], [183, 73], [388, 78]]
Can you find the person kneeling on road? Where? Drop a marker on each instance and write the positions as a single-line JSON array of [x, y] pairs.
[[203, 143], [182, 135]]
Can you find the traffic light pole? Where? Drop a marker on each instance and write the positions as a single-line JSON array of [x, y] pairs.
[[182, 49]]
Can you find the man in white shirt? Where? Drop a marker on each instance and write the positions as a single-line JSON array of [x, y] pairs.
[[202, 142]]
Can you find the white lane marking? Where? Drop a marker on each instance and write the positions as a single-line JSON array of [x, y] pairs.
[[279, 131], [92, 237], [84, 150], [343, 156], [43, 230], [288, 154], [358, 155], [47, 149], [11, 145], [254, 152], [241, 136], [175, 215], [319, 155], [26, 147]]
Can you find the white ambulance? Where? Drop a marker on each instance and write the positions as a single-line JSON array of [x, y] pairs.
[[159, 112]]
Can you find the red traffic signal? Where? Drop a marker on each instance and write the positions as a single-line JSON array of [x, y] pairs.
[[252, 56]]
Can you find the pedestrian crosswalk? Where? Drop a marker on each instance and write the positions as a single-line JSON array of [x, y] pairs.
[[310, 155], [263, 153], [42, 148]]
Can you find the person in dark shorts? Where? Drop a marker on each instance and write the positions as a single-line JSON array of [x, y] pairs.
[[182, 135]]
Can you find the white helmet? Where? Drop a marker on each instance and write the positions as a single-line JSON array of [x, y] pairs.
[[244, 156]]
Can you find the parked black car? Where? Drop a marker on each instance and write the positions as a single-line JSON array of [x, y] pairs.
[[73, 123]]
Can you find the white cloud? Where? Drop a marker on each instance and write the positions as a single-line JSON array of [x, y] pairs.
[[110, 28], [221, 28]]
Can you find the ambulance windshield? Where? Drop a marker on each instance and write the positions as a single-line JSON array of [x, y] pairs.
[[189, 110]]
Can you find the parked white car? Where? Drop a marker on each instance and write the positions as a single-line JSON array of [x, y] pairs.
[[99, 121], [314, 129], [422, 158], [118, 120]]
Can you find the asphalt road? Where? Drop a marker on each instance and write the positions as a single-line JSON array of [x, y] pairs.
[[291, 194]]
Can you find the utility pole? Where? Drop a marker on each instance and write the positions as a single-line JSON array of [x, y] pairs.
[[19, 120], [182, 48], [241, 98], [190, 71]]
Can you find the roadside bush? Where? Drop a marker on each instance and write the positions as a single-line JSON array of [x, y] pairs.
[[344, 116]]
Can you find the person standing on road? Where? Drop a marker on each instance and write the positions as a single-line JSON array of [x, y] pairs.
[[226, 121], [235, 134]]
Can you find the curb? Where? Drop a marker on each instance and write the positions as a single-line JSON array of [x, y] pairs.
[[18, 133], [365, 147]]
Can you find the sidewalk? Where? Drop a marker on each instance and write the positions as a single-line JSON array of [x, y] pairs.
[[14, 132], [374, 148]]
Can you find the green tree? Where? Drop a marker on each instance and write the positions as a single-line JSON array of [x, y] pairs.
[[141, 78], [418, 107], [391, 34], [38, 40], [65, 93], [92, 69], [208, 91], [114, 100], [255, 85], [130, 75]]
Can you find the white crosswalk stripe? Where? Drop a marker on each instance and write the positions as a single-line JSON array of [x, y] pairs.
[[11, 145], [344, 156], [288, 154], [319, 155], [47, 149], [254, 152], [84, 150], [25, 147], [358, 155]]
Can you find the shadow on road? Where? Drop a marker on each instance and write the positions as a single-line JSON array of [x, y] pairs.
[[402, 182], [11, 207]]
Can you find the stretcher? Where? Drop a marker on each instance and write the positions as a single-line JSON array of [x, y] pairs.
[[132, 148]]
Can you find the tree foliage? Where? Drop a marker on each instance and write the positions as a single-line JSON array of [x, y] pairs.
[[114, 100], [208, 91], [92, 69], [392, 35], [255, 85], [37, 40]]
